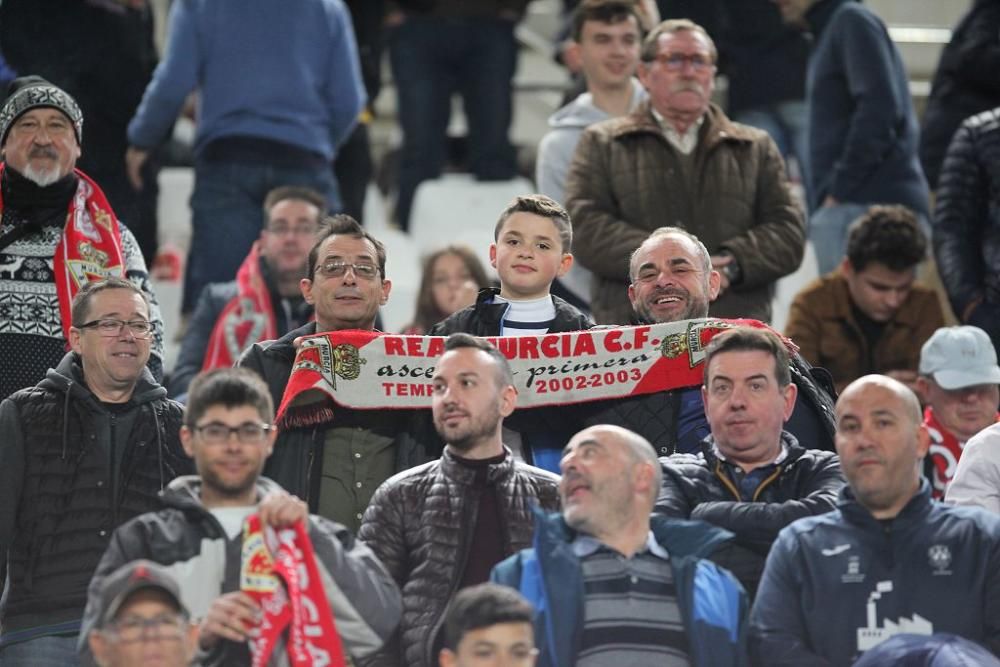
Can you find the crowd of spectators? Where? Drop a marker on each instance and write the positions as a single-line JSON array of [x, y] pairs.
[[825, 495]]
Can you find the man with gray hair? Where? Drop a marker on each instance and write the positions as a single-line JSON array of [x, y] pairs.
[[605, 536], [678, 158], [57, 232], [888, 560]]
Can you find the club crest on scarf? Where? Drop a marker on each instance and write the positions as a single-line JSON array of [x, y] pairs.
[[278, 569], [330, 361]]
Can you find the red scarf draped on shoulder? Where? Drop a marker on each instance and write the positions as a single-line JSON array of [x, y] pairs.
[[90, 247], [944, 453], [247, 319]]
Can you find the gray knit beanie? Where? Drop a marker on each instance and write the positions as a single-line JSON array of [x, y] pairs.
[[30, 92]]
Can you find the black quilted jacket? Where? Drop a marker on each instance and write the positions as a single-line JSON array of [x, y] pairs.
[[418, 523], [967, 222]]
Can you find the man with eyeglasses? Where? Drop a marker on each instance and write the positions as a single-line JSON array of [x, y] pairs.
[[337, 466], [142, 620], [57, 232], [201, 533], [264, 301], [86, 449], [678, 160]]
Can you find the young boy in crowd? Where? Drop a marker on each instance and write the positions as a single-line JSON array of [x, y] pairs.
[[532, 247], [491, 624], [533, 243]]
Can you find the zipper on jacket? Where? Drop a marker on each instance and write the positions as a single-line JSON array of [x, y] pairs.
[[773, 476], [726, 481], [112, 477]]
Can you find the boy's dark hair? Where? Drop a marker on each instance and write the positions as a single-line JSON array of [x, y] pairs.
[[887, 235], [297, 193], [458, 341], [230, 388], [79, 311], [651, 44], [604, 11], [546, 208], [344, 224], [750, 339], [480, 607]]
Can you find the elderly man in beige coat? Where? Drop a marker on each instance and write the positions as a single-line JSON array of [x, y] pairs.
[[679, 161]]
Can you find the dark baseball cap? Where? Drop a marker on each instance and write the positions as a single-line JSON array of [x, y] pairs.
[[129, 578]]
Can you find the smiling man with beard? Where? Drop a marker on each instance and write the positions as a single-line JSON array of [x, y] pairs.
[[57, 231], [83, 451], [442, 526], [199, 535]]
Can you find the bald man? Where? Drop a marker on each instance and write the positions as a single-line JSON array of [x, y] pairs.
[[610, 480], [888, 560]]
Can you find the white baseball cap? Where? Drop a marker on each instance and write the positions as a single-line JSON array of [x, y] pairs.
[[958, 357]]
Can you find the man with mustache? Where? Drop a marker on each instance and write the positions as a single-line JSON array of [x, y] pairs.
[[336, 467], [57, 232], [750, 476], [679, 160], [442, 526], [888, 560], [612, 585]]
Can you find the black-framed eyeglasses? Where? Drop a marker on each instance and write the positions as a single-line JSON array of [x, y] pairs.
[[112, 328], [248, 433], [339, 269], [136, 628], [676, 61]]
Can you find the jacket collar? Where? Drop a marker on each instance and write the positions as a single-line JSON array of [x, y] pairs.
[[793, 450], [184, 492], [915, 511], [681, 538], [68, 377], [716, 128], [841, 303], [457, 472]]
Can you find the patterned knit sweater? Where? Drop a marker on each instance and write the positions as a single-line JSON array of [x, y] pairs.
[[31, 336]]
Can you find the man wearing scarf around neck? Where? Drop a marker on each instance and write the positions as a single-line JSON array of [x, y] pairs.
[[264, 302], [57, 232]]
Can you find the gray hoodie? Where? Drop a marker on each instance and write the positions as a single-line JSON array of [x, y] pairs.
[[555, 152]]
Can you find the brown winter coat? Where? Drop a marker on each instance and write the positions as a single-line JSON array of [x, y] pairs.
[[822, 323], [625, 181]]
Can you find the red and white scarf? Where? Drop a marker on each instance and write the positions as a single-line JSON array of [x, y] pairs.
[[90, 247], [247, 319], [278, 569], [366, 370], [944, 453]]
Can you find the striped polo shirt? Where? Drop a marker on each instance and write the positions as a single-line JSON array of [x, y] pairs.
[[630, 616]]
